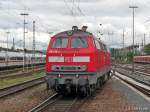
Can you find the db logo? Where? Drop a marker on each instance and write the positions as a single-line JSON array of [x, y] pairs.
[[68, 59]]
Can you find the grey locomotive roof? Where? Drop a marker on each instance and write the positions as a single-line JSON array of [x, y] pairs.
[[74, 33], [77, 33]]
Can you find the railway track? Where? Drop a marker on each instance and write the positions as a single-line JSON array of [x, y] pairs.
[[139, 77], [136, 84], [11, 68], [21, 74], [45, 103], [138, 67], [3, 72], [20, 87], [59, 103]]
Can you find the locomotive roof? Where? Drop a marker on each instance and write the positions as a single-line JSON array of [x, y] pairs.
[[73, 33], [77, 33]]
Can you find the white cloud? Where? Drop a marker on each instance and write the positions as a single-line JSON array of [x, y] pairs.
[[57, 15]]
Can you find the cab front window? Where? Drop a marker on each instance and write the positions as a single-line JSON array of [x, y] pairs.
[[60, 43], [79, 42]]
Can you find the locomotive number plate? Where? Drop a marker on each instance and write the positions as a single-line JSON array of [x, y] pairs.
[[68, 59]]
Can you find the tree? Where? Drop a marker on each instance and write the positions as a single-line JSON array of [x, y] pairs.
[[129, 57], [147, 49]]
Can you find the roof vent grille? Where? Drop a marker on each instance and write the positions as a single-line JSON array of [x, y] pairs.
[[75, 28], [84, 28]]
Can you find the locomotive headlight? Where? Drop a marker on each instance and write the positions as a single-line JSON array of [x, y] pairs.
[[55, 59], [81, 59]]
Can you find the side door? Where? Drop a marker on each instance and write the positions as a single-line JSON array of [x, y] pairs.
[[99, 54]]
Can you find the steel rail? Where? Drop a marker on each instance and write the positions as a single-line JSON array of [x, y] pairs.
[[58, 102], [21, 74], [136, 86], [130, 76], [18, 69], [45, 103], [137, 70], [20, 87]]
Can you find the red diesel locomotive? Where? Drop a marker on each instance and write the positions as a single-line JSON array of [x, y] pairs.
[[76, 62]]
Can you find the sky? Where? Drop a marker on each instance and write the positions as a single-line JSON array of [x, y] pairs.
[[53, 16]]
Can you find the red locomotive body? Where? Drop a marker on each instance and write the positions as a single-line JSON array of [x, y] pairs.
[[76, 61], [142, 59]]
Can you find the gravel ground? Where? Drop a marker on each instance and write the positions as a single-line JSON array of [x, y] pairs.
[[116, 97], [24, 101], [113, 97]]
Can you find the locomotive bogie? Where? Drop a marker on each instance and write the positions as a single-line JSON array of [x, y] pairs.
[[76, 82]]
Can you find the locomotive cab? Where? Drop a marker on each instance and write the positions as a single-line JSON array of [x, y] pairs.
[[71, 62]]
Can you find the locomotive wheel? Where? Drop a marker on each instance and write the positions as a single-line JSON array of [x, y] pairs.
[[109, 76], [83, 91], [92, 90], [103, 80], [98, 84], [88, 90]]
